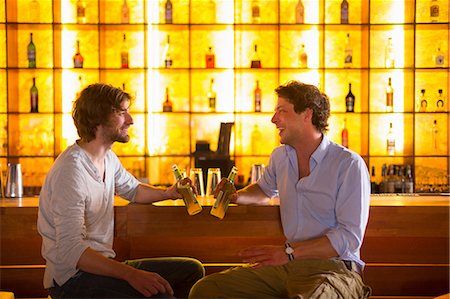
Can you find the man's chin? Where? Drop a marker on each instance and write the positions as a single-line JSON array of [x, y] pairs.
[[123, 139]]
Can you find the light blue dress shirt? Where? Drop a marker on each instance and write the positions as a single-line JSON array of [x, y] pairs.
[[333, 200]]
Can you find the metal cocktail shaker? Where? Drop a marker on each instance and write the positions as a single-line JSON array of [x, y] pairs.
[[14, 186]]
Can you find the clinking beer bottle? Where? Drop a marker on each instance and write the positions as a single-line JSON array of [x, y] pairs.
[[190, 201], [223, 198]]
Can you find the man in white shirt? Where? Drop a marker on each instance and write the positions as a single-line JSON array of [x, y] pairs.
[[76, 212], [324, 191]]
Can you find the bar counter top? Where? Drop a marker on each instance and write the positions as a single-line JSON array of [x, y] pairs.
[[387, 200]]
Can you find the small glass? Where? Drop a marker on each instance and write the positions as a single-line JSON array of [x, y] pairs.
[[257, 172], [212, 181], [196, 176]]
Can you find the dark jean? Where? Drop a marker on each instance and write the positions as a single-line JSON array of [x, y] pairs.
[[180, 272]]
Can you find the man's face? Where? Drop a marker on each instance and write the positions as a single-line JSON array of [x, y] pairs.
[[120, 121], [289, 123]]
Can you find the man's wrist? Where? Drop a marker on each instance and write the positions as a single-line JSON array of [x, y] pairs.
[[289, 250]]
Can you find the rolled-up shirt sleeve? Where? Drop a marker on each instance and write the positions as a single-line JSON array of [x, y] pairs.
[[352, 209]]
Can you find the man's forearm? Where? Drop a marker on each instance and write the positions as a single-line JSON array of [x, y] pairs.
[[93, 262], [252, 195], [315, 248]]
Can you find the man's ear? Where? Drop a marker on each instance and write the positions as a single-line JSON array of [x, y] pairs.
[[308, 114]]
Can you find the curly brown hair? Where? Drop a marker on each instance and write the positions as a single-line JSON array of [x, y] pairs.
[[304, 96], [94, 106]]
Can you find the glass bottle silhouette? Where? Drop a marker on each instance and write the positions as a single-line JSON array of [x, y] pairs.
[[299, 13], [81, 12], [31, 53], [423, 101], [125, 13], [78, 59], [223, 197], [257, 97], [389, 97], [390, 141], [439, 58], [211, 96], [302, 57], [256, 12], [168, 13], [348, 52], [124, 53], [434, 136], [34, 97], [434, 11], [190, 200], [255, 60], [168, 59], [210, 59], [344, 11], [409, 181], [389, 56], [440, 102], [167, 105], [350, 100]]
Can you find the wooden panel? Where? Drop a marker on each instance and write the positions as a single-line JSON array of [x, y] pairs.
[[23, 282], [408, 280]]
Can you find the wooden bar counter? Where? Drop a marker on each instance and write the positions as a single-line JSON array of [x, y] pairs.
[[406, 247]]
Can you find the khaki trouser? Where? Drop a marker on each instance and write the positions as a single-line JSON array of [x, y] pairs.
[[324, 279]]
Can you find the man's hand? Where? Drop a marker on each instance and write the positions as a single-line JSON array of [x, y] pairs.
[[148, 283], [172, 191], [266, 255], [233, 196]]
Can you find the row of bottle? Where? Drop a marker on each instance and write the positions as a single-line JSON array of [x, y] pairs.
[[438, 57], [394, 179], [423, 100], [190, 199], [209, 6]]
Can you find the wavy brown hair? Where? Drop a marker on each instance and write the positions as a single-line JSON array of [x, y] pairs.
[[94, 106], [304, 96]]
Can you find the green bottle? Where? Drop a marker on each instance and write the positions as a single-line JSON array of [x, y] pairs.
[[31, 52], [34, 97]]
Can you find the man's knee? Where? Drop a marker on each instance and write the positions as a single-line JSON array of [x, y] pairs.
[[205, 288]]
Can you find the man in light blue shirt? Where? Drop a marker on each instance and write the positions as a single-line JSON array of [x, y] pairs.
[[324, 192]]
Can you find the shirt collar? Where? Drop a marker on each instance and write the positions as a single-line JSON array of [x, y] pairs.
[[321, 150]]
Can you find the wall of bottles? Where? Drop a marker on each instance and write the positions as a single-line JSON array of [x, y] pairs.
[[193, 64]]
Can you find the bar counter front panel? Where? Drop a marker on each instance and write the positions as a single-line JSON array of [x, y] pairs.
[[406, 246]]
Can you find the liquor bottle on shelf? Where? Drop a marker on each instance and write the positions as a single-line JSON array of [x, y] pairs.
[[34, 97], [210, 58], [80, 87], [390, 141], [350, 100], [256, 16], [167, 59], [81, 12], [190, 200], [256, 141], [382, 186], [168, 12], [423, 101], [78, 58], [344, 134], [348, 52], [167, 105], [344, 11], [390, 179], [389, 55], [434, 136], [124, 53], [373, 182], [408, 186], [124, 13], [434, 11], [299, 13], [31, 53], [257, 97], [34, 12], [399, 179], [440, 102], [255, 60], [223, 197], [389, 97], [211, 96], [302, 57], [439, 58]]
